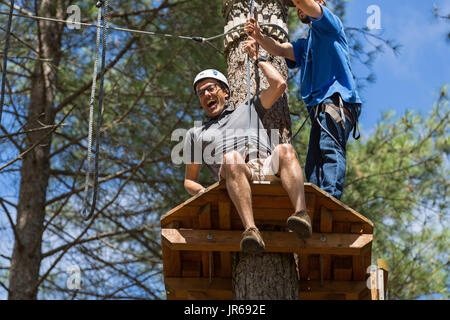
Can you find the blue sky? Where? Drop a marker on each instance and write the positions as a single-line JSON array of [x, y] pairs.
[[411, 80]]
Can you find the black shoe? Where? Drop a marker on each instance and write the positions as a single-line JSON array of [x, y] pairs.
[[300, 223]]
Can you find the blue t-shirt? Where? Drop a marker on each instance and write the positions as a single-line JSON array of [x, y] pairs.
[[324, 61]]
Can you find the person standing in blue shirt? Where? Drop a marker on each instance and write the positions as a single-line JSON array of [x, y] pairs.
[[327, 87]]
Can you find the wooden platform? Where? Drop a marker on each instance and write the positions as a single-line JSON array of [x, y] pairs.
[[199, 236]]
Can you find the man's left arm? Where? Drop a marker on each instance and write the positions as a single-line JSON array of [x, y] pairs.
[[277, 84]]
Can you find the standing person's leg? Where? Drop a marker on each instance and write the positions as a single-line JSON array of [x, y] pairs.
[[333, 154], [237, 176], [313, 165]]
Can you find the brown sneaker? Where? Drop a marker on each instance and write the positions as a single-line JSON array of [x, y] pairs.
[[300, 223], [252, 241]]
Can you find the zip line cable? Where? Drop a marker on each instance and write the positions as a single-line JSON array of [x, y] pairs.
[[236, 28], [5, 58]]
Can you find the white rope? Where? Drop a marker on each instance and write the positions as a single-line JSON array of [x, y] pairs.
[[91, 114], [248, 90]]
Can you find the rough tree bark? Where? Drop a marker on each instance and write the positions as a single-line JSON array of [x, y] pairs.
[[270, 276], [35, 170]]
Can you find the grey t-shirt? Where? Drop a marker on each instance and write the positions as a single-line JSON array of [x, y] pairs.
[[227, 132]]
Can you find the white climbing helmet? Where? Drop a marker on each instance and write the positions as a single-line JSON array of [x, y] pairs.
[[213, 74]]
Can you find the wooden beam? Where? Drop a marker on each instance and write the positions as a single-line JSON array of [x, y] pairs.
[[172, 261], [326, 220], [219, 288], [199, 288], [383, 270], [342, 268], [331, 290], [204, 221], [359, 272], [225, 224], [315, 197], [228, 241]]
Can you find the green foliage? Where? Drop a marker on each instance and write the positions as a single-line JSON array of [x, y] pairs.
[[398, 177]]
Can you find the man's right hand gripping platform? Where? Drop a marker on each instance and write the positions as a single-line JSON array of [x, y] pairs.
[[220, 144]]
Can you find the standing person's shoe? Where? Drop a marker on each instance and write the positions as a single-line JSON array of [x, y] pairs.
[[252, 241], [300, 223]]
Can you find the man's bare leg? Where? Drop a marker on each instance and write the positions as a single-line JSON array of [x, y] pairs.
[[285, 161], [237, 176], [291, 175]]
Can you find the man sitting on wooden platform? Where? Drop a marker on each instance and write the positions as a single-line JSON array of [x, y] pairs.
[[238, 150]]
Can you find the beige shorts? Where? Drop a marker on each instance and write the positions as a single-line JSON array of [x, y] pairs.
[[261, 170]]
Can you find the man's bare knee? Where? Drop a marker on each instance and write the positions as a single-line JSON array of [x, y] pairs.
[[233, 157], [234, 164]]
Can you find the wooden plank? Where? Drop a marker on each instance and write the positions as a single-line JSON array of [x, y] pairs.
[[314, 197], [204, 221], [342, 268], [191, 268], [225, 224], [326, 220], [220, 288], [331, 290], [359, 272], [172, 261], [326, 225], [228, 241], [204, 216], [383, 270], [356, 227], [303, 262], [326, 261], [190, 288], [314, 267], [310, 199], [341, 227]]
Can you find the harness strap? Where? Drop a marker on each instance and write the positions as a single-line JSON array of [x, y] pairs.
[[338, 114]]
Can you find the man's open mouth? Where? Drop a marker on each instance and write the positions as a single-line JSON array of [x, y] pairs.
[[212, 104]]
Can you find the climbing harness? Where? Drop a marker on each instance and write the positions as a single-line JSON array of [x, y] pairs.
[[338, 115], [102, 4], [5, 58]]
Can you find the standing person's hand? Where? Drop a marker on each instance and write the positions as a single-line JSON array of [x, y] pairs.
[[251, 28], [251, 47]]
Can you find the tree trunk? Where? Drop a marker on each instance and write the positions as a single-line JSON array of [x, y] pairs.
[[270, 275], [35, 170]]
